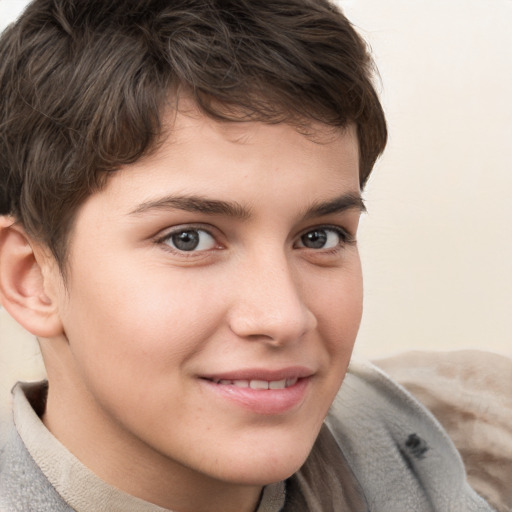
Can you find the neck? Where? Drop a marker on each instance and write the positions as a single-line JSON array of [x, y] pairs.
[[133, 466]]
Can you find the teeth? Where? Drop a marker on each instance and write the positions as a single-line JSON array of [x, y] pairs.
[[259, 384], [277, 384]]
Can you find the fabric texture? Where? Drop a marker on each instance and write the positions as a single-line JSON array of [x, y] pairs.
[[470, 394], [399, 453], [379, 451]]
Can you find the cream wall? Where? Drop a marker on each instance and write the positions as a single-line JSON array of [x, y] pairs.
[[437, 244]]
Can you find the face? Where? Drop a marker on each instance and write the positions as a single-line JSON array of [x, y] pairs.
[[212, 303]]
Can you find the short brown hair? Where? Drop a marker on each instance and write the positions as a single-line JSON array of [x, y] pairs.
[[84, 85]]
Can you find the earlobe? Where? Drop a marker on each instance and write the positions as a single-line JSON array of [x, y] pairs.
[[22, 283]]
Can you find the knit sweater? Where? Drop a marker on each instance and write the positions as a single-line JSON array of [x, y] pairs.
[[379, 451]]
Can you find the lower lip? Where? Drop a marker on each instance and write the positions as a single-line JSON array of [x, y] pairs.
[[262, 401]]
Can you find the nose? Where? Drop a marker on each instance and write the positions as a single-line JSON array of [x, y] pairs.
[[269, 303]]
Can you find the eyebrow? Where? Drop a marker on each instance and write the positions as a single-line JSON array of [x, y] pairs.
[[199, 204], [348, 201], [195, 204]]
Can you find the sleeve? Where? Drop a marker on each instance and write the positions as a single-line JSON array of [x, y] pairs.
[[401, 456]]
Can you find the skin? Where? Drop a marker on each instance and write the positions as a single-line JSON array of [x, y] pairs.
[[143, 323]]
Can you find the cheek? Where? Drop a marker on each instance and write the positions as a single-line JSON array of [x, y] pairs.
[[129, 336], [149, 318], [338, 307]]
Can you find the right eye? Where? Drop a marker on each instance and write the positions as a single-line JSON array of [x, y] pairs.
[[190, 240]]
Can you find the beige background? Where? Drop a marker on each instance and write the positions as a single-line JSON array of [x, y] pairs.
[[437, 244]]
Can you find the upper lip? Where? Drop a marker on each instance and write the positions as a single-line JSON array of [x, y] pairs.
[[291, 372]]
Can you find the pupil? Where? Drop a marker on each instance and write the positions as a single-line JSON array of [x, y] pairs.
[[315, 239], [186, 240]]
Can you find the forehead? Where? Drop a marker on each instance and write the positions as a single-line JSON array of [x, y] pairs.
[[190, 136], [250, 162], [187, 125]]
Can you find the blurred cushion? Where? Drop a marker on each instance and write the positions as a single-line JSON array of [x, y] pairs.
[[470, 393]]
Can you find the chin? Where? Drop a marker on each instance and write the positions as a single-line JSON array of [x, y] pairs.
[[267, 467]]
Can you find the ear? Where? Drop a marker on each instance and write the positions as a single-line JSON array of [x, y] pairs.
[[22, 282]]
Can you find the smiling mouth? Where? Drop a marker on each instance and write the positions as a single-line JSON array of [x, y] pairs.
[[257, 384], [262, 392]]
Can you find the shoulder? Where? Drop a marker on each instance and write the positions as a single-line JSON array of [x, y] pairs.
[[469, 393], [400, 454], [23, 486]]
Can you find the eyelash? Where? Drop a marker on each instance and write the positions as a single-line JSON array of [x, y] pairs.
[[163, 240], [345, 238]]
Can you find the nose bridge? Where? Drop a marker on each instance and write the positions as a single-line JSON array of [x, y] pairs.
[[270, 303]]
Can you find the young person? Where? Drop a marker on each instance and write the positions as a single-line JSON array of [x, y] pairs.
[[180, 190]]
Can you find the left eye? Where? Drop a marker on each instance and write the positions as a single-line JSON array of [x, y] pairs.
[[188, 240], [321, 238]]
